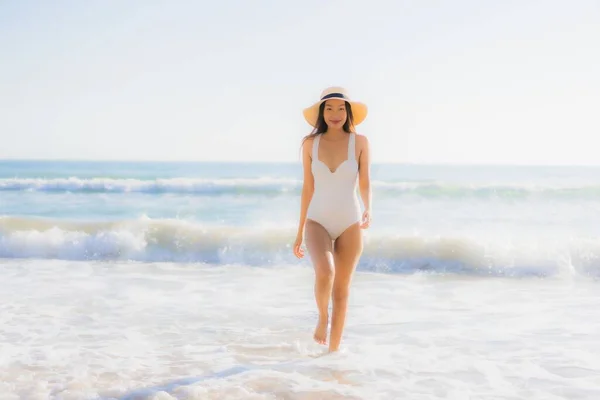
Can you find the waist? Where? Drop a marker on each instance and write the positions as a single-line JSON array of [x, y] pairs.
[[336, 198], [323, 205], [345, 195]]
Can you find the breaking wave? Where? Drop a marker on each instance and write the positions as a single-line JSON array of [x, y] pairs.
[[156, 240], [273, 187]]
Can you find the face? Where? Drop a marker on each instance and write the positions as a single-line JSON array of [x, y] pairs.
[[334, 113]]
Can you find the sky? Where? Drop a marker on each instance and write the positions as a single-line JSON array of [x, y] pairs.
[[459, 82]]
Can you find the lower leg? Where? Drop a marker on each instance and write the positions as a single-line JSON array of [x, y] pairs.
[[320, 249], [338, 320], [323, 287], [348, 248]]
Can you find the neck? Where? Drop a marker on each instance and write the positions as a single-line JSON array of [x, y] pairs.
[[335, 133]]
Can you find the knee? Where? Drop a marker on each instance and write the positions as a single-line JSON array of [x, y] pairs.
[[340, 293], [325, 273]]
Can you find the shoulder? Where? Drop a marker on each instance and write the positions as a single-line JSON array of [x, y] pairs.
[[307, 145], [361, 139]]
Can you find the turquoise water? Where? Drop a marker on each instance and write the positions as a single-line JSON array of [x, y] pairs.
[[505, 219]]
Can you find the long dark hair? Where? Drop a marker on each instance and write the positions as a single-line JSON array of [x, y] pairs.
[[321, 125]]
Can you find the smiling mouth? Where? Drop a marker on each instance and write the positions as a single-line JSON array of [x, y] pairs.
[[335, 121]]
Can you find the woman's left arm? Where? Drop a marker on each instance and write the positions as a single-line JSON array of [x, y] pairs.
[[364, 179]]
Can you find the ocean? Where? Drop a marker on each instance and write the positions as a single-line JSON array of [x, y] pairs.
[[164, 280]]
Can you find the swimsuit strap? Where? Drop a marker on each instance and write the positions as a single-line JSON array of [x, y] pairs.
[[315, 149], [351, 147]]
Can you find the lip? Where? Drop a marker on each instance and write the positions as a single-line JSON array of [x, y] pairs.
[[335, 121]]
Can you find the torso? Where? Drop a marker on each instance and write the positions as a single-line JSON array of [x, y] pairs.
[[334, 204]]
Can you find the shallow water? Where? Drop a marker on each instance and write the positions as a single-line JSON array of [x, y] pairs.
[[129, 330]]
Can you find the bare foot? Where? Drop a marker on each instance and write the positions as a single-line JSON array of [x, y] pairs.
[[320, 335]]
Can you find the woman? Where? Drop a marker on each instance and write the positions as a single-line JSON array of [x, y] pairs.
[[335, 159]]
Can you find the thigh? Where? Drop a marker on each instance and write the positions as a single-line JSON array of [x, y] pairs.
[[319, 246], [347, 250]]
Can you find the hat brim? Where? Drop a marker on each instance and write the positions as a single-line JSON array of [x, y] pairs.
[[359, 111]]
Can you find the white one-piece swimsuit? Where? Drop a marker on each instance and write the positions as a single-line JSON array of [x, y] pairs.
[[334, 203]]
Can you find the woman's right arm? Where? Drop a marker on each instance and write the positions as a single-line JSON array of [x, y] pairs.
[[308, 187]]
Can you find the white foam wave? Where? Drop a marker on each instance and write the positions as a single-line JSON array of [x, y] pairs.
[[275, 186], [184, 185], [184, 241]]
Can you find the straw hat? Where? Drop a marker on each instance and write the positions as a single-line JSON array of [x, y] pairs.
[[359, 110]]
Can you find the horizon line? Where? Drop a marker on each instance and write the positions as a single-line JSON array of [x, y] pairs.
[[407, 163]]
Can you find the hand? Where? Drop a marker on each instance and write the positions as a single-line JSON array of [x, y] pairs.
[[366, 219], [298, 250]]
